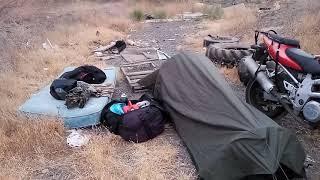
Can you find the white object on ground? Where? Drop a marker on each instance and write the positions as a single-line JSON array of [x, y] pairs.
[[309, 159], [45, 46], [104, 48], [77, 138], [131, 42], [98, 54], [162, 55]]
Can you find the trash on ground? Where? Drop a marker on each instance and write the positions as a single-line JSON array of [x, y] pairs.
[[162, 55], [149, 16], [309, 161], [190, 15], [114, 47], [47, 45], [77, 138], [131, 42]]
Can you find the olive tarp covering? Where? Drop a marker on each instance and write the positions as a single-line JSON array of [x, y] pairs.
[[227, 139]]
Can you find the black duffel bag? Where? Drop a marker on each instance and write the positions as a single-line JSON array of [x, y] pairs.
[[86, 73], [137, 126]]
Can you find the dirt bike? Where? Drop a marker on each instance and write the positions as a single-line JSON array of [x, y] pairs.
[[284, 79]]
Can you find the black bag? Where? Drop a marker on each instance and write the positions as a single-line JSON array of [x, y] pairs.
[[120, 46], [137, 126], [86, 73], [60, 87]]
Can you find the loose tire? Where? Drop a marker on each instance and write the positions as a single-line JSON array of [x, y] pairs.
[[219, 39], [228, 53], [244, 74]]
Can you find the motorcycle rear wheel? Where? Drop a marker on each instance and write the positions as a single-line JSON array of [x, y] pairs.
[[254, 97]]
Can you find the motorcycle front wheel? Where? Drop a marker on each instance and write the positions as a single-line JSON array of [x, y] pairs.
[[254, 97]]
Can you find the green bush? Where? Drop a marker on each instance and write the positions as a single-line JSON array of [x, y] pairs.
[[137, 15], [213, 12]]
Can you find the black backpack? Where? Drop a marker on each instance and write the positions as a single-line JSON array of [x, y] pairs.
[[137, 126], [86, 73], [60, 87]]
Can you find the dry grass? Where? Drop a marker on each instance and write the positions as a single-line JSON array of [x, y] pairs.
[[231, 74], [308, 32], [163, 9], [36, 148], [112, 158], [235, 21]]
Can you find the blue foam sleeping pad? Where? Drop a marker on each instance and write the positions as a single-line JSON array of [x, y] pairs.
[[43, 104]]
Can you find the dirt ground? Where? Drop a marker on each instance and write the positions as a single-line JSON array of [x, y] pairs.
[[162, 158]]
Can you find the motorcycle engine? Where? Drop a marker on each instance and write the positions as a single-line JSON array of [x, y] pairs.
[[311, 111]]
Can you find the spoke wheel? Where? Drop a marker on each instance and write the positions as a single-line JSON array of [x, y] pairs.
[[254, 96]]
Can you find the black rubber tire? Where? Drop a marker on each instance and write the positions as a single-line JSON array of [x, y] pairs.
[[244, 74], [254, 93], [228, 53], [208, 40]]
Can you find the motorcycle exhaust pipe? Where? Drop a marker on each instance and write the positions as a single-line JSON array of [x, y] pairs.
[[262, 78]]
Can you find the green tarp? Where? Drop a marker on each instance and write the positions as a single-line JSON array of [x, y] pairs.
[[226, 138]]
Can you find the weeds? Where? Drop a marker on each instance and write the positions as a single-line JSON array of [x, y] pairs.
[[213, 12], [137, 15], [308, 32]]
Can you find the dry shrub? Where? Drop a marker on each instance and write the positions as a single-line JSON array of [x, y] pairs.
[[236, 19], [163, 9], [308, 32]]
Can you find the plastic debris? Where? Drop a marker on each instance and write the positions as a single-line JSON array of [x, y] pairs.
[[77, 139]]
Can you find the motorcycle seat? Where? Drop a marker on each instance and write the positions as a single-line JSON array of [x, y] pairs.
[[308, 62], [283, 40]]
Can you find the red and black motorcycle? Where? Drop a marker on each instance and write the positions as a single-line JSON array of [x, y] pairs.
[[284, 78]]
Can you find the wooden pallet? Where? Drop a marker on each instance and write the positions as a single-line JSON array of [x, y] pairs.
[[134, 76]]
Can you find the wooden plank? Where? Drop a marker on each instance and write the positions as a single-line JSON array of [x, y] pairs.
[[138, 76], [140, 72], [123, 70], [135, 81], [136, 64]]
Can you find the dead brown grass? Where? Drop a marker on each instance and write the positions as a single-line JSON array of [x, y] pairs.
[[235, 21], [168, 8], [308, 32], [231, 74], [112, 158], [36, 148]]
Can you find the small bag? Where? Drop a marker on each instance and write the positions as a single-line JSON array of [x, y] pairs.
[[137, 126]]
